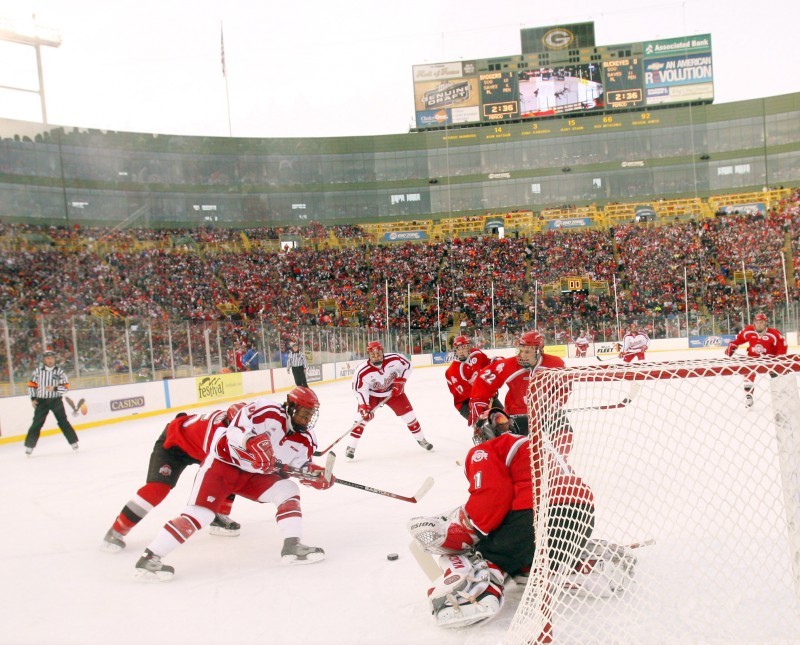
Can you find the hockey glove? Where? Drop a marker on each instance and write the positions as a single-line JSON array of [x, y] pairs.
[[365, 412], [730, 350], [398, 386], [314, 476], [258, 453]]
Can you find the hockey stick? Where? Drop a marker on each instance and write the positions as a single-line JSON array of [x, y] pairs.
[[300, 474], [635, 387], [423, 490], [319, 453], [425, 560]]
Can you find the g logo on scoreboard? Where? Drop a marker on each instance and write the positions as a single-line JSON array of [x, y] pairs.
[[558, 38]]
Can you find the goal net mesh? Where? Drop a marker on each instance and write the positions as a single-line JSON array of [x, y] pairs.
[[695, 534]]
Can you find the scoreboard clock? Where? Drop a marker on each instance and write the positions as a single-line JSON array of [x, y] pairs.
[[623, 82], [499, 96]]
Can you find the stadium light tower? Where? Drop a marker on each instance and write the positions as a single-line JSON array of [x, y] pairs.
[[28, 32]]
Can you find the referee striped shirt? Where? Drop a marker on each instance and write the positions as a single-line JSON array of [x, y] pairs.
[[45, 378], [296, 359]]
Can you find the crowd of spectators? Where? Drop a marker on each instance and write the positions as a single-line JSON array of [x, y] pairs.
[[646, 269]]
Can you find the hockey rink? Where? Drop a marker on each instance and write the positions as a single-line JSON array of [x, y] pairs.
[[59, 587]]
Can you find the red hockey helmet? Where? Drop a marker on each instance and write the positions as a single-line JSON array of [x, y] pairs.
[[374, 346], [302, 406], [303, 397], [760, 316], [531, 339], [233, 410], [460, 341]]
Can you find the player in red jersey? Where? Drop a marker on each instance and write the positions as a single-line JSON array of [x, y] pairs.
[[249, 458], [380, 380], [515, 372], [761, 341], [492, 534], [185, 441], [461, 373], [635, 343]]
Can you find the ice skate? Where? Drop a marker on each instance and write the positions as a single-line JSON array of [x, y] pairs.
[[150, 568], [28, 451], [224, 526], [112, 542], [424, 444], [293, 552], [74, 446], [748, 400], [350, 453]]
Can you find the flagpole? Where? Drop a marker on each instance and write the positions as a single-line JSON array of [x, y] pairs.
[[225, 76]]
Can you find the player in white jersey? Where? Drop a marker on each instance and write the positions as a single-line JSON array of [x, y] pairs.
[[581, 345], [382, 380], [249, 458], [634, 344]]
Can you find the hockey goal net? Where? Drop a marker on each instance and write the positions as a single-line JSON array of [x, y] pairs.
[[696, 532]]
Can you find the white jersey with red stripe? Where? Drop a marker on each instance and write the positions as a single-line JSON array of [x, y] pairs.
[[263, 416], [376, 381]]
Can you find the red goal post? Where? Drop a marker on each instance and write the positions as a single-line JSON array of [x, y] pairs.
[[696, 526]]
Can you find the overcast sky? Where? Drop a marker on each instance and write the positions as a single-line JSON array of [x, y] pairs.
[[334, 68]]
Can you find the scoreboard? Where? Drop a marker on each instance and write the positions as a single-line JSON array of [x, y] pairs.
[[673, 71]]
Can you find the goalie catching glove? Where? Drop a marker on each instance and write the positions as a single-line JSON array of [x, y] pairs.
[[731, 349], [444, 534]]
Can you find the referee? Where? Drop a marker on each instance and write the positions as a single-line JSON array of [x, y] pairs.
[[296, 363], [46, 387]]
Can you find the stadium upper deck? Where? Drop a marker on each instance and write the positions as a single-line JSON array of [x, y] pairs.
[[71, 175]]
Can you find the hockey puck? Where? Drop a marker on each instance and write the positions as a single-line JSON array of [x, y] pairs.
[[392, 556]]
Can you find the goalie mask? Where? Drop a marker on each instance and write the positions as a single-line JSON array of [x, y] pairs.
[[302, 406], [491, 424]]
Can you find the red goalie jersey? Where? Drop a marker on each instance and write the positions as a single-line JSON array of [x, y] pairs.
[[501, 480]]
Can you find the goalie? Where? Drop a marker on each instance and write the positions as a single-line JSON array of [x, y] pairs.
[[491, 537]]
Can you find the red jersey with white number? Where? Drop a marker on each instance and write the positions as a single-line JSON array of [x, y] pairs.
[[460, 376], [769, 343], [371, 381], [508, 371], [194, 433], [263, 417], [501, 480]]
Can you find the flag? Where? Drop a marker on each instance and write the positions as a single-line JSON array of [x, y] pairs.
[[222, 49]]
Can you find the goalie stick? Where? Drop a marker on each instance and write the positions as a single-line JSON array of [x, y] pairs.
[[431, 569]]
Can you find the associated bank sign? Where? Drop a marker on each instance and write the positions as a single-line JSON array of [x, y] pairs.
[[577, 222]]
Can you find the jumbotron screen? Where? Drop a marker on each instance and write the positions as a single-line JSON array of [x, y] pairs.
[[674, 71]]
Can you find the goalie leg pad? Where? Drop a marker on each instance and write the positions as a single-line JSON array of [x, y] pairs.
[[604, 570], [469, 591]]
